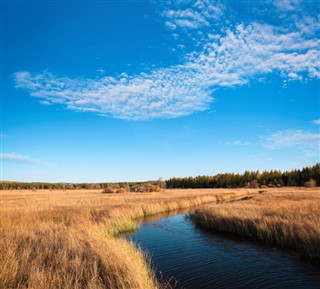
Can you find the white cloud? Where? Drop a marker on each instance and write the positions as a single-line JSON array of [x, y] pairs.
[[185, 18], [316, 121], [286, 5], [308, 25], [294, 76], [293, 138], [238, 143], [100, 70], [200, 14], [45, 102], [171, 25], [18, 158], [210, 9], [164, 93], [243, 53]]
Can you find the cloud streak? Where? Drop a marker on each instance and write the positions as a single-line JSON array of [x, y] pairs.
[[293, 138], [316, 121], [18, 158], [238, 143]]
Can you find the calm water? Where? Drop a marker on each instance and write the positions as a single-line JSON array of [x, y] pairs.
[[197, 259]]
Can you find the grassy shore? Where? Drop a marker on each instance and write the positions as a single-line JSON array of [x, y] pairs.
[[69, 239], [287, 217]]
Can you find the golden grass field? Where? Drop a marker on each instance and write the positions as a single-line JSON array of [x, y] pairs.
[[70, 239], [288, 217]]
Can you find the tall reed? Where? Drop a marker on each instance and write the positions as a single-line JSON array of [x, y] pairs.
[[69, 239], [289, 218]]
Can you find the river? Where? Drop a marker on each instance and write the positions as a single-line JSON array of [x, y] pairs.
[[191, 258]]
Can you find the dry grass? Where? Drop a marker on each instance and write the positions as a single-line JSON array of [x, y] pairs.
[[68, 239], [287, 217]]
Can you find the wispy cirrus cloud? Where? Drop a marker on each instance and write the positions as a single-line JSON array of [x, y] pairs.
[[19, 158], [293, 138]]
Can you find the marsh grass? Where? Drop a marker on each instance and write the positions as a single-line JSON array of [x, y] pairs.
[[70, 239], [288, 217]]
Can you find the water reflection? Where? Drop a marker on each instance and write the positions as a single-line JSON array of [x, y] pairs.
[[197, 259]]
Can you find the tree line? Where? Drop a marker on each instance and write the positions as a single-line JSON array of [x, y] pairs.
[[63, 186], [226, 180], [250, 179]]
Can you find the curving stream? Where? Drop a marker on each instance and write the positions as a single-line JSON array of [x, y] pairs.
[[191, 258]]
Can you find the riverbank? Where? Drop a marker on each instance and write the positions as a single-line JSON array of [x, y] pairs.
[[69, 239], [186, 256], [289, 218]]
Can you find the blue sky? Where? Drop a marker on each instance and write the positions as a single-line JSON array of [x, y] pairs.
[[96, 91]]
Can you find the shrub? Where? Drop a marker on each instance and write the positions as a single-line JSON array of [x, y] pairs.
[[310, 184], [145, 188], [254, 184], [120, 191], [109, 190]]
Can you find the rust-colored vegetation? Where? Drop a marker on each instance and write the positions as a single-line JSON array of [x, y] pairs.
[[70, 239], [288, 217]]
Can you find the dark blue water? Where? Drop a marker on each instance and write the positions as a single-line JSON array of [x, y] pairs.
[[197, 259]]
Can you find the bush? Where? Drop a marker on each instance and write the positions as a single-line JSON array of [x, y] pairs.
[[254, 184], [145, 188], [310, 184], [109, 190]]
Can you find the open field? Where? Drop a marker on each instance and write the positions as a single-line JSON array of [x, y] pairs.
[[69, 239], [288, 217]]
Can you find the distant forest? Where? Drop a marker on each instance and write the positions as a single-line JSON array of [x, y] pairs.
[[308, 176], [62, 186]]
